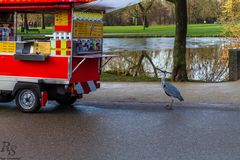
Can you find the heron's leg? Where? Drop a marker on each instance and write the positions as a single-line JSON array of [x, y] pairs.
[[171, 104], [169, 107]]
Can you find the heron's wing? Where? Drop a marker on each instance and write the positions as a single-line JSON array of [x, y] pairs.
[[171, 90]]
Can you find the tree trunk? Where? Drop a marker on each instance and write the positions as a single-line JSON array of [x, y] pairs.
[[179, 53], [145, 21], [43, 21], [26, 21], [138, 67]]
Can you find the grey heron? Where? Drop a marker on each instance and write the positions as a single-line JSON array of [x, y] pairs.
[[170, 91]]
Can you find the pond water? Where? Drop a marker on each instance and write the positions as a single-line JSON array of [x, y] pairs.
[[206, 58]]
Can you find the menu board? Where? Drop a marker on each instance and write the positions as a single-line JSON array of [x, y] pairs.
[[88, 25], [8, 47], [88, 30], [61, 18]]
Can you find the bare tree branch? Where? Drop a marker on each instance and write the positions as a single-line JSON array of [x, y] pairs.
[[172, 1]]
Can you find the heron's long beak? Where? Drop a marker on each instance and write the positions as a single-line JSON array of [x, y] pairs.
[[165, 72]]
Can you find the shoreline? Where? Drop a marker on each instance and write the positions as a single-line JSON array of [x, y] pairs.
[[155, 36]]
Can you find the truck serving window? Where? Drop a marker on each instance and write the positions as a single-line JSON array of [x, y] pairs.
[[6, 27]]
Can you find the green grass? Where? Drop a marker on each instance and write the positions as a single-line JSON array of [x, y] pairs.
[[48, 30], [194, 30], [36, 35]]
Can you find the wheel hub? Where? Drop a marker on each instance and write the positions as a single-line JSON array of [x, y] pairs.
[[27, 99]]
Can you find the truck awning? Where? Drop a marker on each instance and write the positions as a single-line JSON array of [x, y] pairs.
[[42, 1], [31, 7], [36, 5], [108, 5]]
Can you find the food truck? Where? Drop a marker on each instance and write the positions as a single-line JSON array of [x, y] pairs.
[[65, 64]]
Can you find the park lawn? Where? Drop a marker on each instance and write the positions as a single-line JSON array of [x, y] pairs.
[[35, 35], [48, 30], [194, 30]]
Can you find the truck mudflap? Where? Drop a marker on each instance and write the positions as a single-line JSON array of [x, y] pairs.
[[86, 87], [44, 98]]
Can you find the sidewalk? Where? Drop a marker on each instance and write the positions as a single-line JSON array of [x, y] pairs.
[[193, 92]]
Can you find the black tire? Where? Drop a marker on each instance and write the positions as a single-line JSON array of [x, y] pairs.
[[28, 101], [66, 100], [6, 98]]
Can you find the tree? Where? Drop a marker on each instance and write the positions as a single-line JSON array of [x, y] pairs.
[[231, 17], [179, 52], [198, 11], [26, 21], [145, 6], [134, 12], [120, 17], [161, 13], [43, 21]]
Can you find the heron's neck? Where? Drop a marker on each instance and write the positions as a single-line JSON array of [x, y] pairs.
[[163, 79]]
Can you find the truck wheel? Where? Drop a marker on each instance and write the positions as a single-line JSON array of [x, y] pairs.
[[28, 101], [66, 100], [6, 98]]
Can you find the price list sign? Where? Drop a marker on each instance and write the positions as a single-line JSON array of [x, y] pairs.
[[88, 25], [61, 18], [88, 30]]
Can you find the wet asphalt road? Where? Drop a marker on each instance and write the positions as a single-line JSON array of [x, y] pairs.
[[123, 131]]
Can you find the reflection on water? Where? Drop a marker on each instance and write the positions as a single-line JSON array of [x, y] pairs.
[[208, 63], [144, 44]]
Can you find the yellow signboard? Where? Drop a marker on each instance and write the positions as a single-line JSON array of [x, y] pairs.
[[8, 47], [42, 47], [88, 30], [61, 18], [88, 25]]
